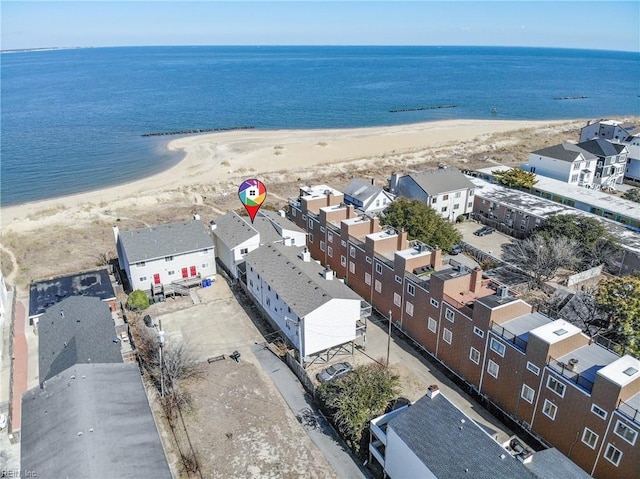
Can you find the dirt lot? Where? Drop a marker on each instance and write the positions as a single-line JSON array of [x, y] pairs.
[[239, 425]]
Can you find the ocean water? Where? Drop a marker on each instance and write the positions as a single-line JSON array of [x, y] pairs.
[[73, 120]]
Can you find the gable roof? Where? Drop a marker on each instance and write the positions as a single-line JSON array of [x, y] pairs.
[[76, 330], [92, 421], [451, 445], [601, 148], [164, 240], [43, 294], [565, 152], [299, 283], [233, 230], [441, 180], [271, 226]]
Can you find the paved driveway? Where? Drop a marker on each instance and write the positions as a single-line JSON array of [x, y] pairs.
[[491, 243]]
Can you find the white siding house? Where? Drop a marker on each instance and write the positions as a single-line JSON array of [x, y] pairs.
[[366, 197], [161, 255], [446, 190], [564, 162], [312, 309]]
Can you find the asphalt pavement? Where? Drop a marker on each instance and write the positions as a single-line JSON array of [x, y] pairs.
[[314, 423]]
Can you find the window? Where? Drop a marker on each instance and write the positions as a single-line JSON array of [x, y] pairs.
[[411, 289], [409, 308], [398, 279], [533, 368], [443, 209], [367, 279], [434, 303], [310, 223], [268, 301], [447, 336], [478, 332], [598, 411], [368, 259], [352, 267], [493, 369], [330, 251], [378, 286], [470, 204], [244, 250], [141, 264], [445, 197], [613, 454], [474, 355], [171, 273], [590, 438], [456, 206], [304, 217], [322, 230], [330, 237], [626, 433], [168, 258], [556, 386], [343, 261], [321, 245], [433, 325], [434, 200], [457, 195], [205, 265], [343, 243], [352, 251], [449, 314], [378, 268], [397, 299], [527, 393], [574, 178], [549, 409], [497, 347], [310, 237], [143, 278]]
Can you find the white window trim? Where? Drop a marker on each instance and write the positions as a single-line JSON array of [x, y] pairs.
[[397, 299], [533, 368], [555, 409], [343, 261], [471, 354], [352, 251], [330, 251], [367, 279], [478, 332], [528, 388], [398, 279], [449, 315], [409, 308], [584, 433], [499, 344], [369, 260], [564, 386], [434, 303], [378, 268], [447, 332], [411, 289], [615, 430], [606, 454], [489, 367], [378, 286], [601, 416], [435, 325]]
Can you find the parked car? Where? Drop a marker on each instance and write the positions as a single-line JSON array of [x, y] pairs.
[[485, 230], [3, 421], [334, 371], [457, 249]]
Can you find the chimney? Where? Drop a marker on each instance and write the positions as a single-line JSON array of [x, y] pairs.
[[476, 280], [436, 258], [281, 213], [305, 255], [373, 182], [503, 291], [402, 240], [328, 194], [116, 232], [433, 391], [393, 183], [213, 225], [350, 211], [327, 273], [373, 224], [196, 217]]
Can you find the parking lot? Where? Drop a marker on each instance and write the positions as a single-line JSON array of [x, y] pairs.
[[491, 243]]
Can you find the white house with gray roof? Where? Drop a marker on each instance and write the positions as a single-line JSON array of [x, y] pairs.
[[314, 310], [161, 255], [446, 190], [367, 197], [235, 236]]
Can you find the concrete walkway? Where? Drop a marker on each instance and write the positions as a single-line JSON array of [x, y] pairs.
[[298, 401], [20, 366]]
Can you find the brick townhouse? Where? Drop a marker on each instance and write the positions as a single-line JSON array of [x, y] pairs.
[[546, 374]]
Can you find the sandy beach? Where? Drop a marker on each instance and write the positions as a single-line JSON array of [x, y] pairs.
[[206, 180]]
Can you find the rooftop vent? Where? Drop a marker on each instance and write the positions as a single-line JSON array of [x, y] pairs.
[[560, 332], [503, 291], [433, 391]]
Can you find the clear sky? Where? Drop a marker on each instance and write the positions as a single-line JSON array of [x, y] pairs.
[[603, 24]]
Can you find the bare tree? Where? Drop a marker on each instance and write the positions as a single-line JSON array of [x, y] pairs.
[[583, 311], [541, 258]]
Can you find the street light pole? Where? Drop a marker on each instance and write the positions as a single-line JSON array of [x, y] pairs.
[[160, 345], [389, 338]]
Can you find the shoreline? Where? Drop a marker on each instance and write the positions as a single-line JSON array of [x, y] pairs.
[[216, 158]]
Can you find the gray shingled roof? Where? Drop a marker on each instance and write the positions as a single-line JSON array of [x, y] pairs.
[[85, 334], [442, 180], [43, 294], [165, 240], [565, 152], [281, 221], [450, 443], [232, 229], [601, 148], [92, 421], [299, 283], [361, 190], [270, 225]]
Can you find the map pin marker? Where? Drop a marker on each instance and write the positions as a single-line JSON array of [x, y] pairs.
[[252, 194]]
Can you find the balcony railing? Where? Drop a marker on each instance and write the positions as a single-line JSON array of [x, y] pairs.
[[508, 336], [629, 410], [365, 309], [570, 373]]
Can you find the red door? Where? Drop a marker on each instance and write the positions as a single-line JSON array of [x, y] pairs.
[[193, 271], [185, 273], [156, 279]]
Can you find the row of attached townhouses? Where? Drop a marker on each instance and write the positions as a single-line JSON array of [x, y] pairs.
[[546, 374]]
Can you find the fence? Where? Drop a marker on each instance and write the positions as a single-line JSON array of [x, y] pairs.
[[569, 373], [509, 336], [629, 410], [300, 373]]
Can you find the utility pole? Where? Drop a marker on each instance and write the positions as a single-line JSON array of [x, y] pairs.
[[160, 345], [389, 339]]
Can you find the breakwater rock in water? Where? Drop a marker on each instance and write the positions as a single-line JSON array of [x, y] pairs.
[[571, 98], [202, 130], [436, 107]]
